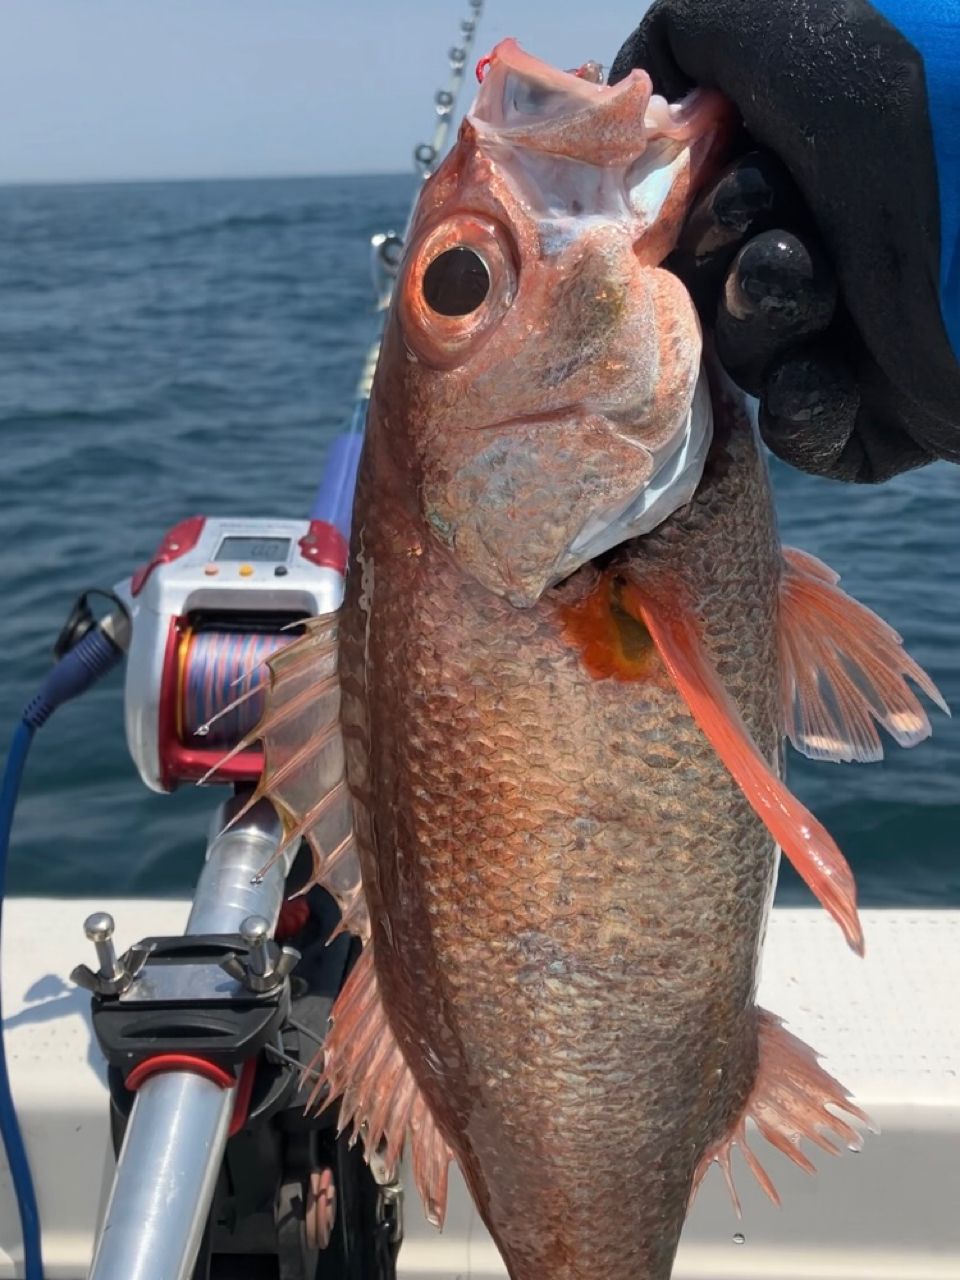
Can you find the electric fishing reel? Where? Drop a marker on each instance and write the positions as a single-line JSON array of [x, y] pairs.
[[216, 599]]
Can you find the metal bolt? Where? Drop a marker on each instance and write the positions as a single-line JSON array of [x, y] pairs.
[[99, 929], [255, 931]]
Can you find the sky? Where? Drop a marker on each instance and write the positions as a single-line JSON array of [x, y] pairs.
[[95, 90]]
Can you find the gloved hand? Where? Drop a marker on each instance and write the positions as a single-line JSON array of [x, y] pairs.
[[827, 263]]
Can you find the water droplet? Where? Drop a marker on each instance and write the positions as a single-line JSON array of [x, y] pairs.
[[739, 1238], [202, 730], [852, 1146]]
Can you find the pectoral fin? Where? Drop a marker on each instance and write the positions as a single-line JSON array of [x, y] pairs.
[[843, 671], [803, 839]]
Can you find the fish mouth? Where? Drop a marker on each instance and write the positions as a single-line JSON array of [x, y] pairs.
[[524, 501], [528, 102]]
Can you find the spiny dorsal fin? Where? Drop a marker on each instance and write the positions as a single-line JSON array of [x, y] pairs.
[[304, 768]]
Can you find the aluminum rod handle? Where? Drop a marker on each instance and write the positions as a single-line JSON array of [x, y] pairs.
[[229, 889], [165, 1179]]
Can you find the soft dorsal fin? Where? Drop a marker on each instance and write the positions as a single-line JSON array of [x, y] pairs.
[[363, 1061], [843, 670]]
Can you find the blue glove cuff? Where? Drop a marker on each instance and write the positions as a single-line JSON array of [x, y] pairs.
[[933, 28]]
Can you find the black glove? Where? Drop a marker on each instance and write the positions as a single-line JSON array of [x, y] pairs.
[[816, 261]]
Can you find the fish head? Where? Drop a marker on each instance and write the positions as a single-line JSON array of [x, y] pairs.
[[539, 384]]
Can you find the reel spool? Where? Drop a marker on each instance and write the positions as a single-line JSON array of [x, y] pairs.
[[216, 600], [216, 669], [210, 663]]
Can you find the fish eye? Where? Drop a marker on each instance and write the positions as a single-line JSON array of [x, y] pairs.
[[456, 282]]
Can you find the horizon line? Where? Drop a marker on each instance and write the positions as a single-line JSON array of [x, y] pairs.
[[6, 183]]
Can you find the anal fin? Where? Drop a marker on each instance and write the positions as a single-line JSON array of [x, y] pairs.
[[381, 1101], [791, 1100]]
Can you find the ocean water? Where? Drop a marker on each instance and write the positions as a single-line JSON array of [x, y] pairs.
[[174, 348]]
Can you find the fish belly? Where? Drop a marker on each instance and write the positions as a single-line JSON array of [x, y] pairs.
[[567, 890]]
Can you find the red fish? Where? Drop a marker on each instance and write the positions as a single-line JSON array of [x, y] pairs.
[[538, 753]]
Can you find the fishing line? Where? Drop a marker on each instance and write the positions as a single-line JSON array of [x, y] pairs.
[[219, 668]]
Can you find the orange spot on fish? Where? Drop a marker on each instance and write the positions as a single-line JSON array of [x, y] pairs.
[[613, 645]]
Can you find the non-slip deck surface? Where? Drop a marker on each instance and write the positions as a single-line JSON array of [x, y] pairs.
[[888, 1026]]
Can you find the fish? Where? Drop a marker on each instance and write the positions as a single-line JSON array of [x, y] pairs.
[[538, 753]]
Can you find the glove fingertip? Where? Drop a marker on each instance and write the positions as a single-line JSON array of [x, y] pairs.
[[808, 412], [778, 294], [648, 47]]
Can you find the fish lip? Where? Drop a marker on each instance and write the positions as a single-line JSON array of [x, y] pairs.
[[508, 58]]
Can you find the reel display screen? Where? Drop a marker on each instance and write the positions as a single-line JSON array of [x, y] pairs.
[[238, 548]]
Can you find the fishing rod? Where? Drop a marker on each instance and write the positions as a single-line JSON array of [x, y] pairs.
[[208, 1036], [386, 247]]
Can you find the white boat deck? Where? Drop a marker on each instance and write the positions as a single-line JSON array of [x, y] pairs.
[[888, 1027]]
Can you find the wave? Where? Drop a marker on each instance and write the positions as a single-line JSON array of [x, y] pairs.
[[245, 222], [37, 419]]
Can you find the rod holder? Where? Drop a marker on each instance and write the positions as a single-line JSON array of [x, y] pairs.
[[177, 1132]]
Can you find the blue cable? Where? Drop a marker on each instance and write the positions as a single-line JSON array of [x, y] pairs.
[[76, 671], [9, 1126]]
